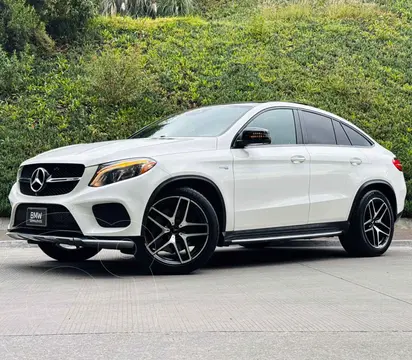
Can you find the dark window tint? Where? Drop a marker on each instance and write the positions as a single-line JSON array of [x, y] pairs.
[[341, 137], [355, 138], [319, 129], [280, 123]]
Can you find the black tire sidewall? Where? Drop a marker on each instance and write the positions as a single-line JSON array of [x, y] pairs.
[[152, 265], [68, 255]]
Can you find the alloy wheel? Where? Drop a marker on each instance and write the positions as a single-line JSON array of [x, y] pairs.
[[377, 223], [176, 231]]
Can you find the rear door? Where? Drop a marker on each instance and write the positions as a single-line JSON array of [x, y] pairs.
[[337, 167]]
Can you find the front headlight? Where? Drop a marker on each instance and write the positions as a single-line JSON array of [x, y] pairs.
[[120, 170]]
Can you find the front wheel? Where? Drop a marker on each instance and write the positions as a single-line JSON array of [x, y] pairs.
[[371, 227], [181, 231], [64, 254]]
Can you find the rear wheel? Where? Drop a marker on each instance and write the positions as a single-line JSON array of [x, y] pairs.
[[371, 227], [67, 254], [181, 231]]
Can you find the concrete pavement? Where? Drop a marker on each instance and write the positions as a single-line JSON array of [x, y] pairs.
[[278, 303]]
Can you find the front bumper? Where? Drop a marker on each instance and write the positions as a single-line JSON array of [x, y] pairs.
[[133, 194]]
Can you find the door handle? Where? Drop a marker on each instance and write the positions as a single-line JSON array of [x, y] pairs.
[[355, 161], [297, 159]]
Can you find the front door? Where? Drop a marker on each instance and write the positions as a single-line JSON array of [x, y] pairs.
[[272, 181]]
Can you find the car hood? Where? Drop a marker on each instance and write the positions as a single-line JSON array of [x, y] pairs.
[[102, 152]]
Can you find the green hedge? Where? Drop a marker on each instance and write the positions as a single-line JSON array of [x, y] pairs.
[[353, 60]]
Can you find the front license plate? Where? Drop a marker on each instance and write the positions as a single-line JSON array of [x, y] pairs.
[[36, 217]]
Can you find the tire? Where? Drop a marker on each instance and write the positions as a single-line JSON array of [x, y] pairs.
[[67, 255], [261, 245], [373, 212], [178, 247]]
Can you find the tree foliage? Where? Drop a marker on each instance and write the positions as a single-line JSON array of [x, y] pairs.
[[142, 8], [20, 27], [65, 19]]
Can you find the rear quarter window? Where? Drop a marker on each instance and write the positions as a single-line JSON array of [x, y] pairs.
[[341, 136], [356, 138]]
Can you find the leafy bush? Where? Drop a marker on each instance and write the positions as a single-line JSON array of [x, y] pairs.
[[117, 77], [402, 7], [65, 19], [15, 72], [20, 27], [221, 9]]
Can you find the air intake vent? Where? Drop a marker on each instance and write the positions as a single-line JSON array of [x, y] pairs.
[[111, 215]]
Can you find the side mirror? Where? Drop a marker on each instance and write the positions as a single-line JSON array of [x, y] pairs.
[[251, 136]]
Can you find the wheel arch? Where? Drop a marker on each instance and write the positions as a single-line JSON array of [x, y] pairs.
[[201, 184], [380, 185]]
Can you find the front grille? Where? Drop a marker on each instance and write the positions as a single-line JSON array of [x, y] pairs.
[[51, 189], [59, 219], [56, 171]]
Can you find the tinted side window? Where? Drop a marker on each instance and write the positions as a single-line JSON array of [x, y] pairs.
[[356, 138], [341, 137], [280, 123], [319, 129]]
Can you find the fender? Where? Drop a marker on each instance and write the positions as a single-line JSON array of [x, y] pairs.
[[187, 177], [361, 190]]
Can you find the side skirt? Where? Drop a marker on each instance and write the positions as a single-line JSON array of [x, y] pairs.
[[286, 233]]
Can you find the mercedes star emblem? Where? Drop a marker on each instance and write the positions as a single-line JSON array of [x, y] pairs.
[[38, 179]]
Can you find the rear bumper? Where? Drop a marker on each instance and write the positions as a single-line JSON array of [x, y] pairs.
[[101, 243], [399, 216]]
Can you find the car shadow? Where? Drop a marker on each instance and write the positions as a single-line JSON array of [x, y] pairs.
[[272, 256], [120, 265]]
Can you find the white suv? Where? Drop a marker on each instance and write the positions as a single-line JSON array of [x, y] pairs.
[[245, 174]]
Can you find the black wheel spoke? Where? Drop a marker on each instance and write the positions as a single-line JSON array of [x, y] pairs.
[[164, 246], [168, 218], [186, 245], [384, 228], [156, 223], [379, 230]]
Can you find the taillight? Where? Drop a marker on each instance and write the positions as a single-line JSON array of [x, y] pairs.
[[397, 164]]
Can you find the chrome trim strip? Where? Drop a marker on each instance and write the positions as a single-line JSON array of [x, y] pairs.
[[58, 180], [101, 243], [53, 180], [286, 237]]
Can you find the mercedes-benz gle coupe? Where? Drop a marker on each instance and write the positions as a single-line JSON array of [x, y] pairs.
[[246, 174]]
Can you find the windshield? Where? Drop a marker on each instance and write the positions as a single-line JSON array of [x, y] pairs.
[[207, 121]]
